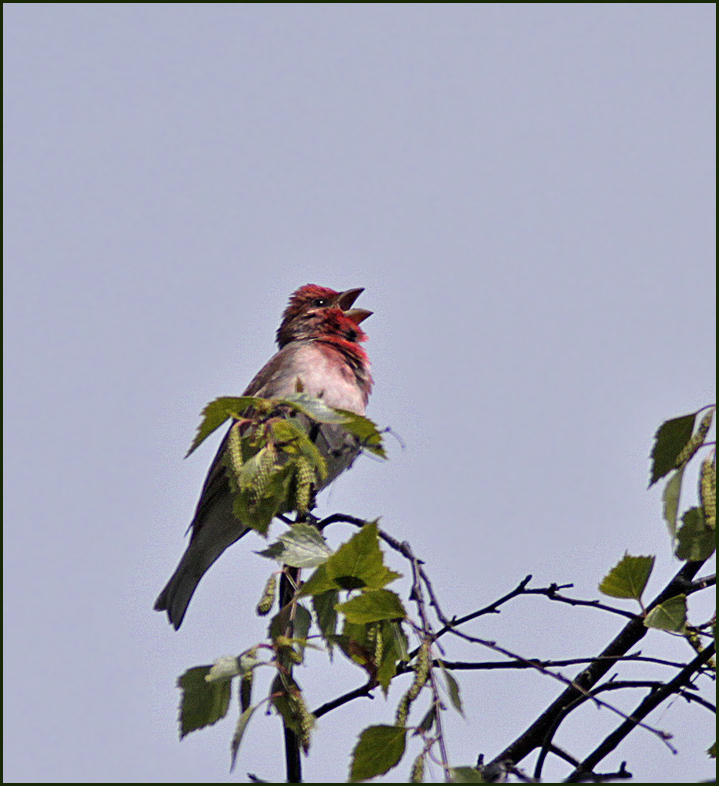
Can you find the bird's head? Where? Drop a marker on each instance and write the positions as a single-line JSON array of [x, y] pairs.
[[309, 302]]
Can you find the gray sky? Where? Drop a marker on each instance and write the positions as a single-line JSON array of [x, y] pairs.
[[526, 192]]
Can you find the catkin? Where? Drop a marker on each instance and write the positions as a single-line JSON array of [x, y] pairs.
[[305, 477], [266, 464], [421, 671], [417, 772], [378, 646], [264, 606], [306, 720], [708, 490], [400, 717], [696, 441], [234, 449]]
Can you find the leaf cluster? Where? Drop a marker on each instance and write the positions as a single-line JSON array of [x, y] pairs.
[[345, 603], [675, 445], [272, 462], [350, 608]]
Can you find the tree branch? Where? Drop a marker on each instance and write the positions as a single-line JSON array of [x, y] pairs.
[[456, 665], [362, 691], [632, 633], [293, 761], [652, 701]]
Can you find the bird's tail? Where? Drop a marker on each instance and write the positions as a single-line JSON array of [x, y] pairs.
[[210, 538], [215, 526]]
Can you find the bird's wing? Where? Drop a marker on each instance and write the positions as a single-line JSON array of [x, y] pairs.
[[269, 381]]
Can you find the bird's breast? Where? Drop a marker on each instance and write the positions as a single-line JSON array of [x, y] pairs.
[[325, 373]]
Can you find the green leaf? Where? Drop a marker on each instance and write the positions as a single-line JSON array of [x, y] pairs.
[[301, 546], [274, 551], [302, 623], [354, 643], [628, 578], [670, 439], [356, 564], [670, 615], [256, 470], [246, 684], [326, 614], [379, 749], [359, 643], [466, 775], [249, 660], [224, 668], [239, 732], [217, 412], [366, 431], [452, 690], [292, 440], [428, 721], [373, 606], [712, 750], [362, 427], [671, 500], [258, 513], [319, 582], [283, 686], [286, 431], [696, 540], [299, 619], [203, 703], [394, 651], [315, 408]]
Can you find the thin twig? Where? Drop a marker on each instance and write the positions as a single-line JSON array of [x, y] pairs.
[[548, 745], [645, 707], [428, 635], [572, 684], [702, 583], [498, 664], [692, 697], [632, 633]]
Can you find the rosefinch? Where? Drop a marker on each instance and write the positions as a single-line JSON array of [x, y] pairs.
[[320, 354]]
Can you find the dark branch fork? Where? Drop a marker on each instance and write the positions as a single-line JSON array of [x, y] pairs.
[[582, 688]]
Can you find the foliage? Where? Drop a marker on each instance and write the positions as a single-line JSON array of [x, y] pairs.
[[346, 604]]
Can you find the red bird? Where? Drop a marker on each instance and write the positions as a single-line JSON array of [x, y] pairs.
[[319, 345]]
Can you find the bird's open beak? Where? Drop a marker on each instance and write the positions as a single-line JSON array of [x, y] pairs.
[[358, 315], [346, 299]]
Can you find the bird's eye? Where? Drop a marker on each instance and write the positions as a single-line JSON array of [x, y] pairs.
[[320, 301]]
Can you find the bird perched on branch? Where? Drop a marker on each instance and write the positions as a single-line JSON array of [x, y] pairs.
[[320, 354]]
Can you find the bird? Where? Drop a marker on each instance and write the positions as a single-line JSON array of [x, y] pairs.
[[319, 353]]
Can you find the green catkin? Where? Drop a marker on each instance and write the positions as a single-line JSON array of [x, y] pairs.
[[421, 671], [305, 477], [234, 450], [708, 490], [306, 720], [264, 606], [696, 441], [294, 656], [400, 717], [264, 472], [378, 646], [417, 772]]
